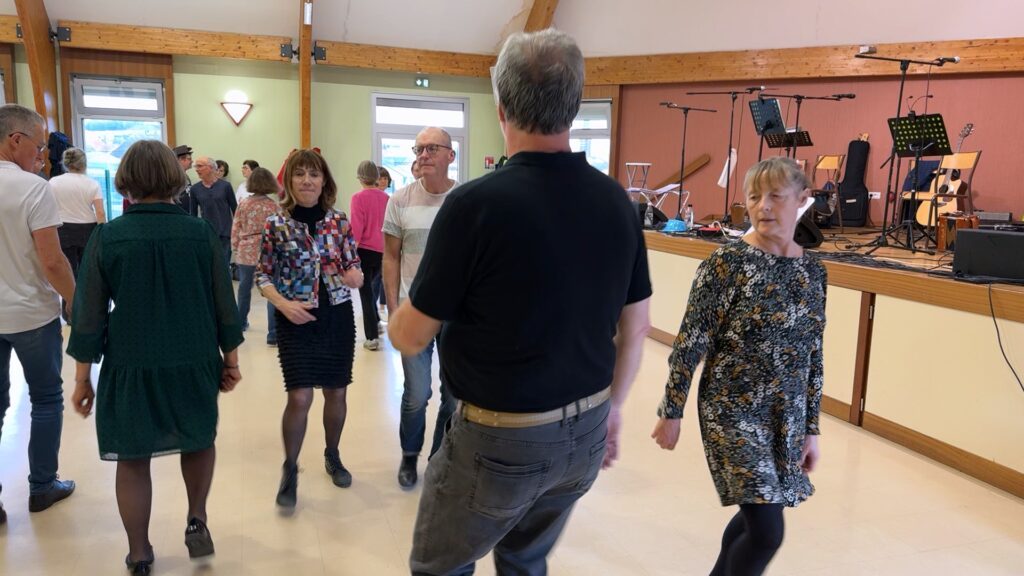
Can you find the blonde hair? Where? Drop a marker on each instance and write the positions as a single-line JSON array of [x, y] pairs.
[[74, 160], [775, 174]]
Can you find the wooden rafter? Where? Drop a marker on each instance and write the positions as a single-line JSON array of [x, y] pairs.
[[42, 59], [305, 70], [407, 59], [541, 15], [9, 29], [979, 56], [154, 40]]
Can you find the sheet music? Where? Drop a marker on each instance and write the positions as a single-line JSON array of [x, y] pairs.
[[730, 166]]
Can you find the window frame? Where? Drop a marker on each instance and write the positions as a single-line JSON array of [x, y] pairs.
[[380, 130]]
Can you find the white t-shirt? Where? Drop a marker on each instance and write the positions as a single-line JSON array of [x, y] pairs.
[[75, 194], [241, 193], [27, 301], [409, 216]]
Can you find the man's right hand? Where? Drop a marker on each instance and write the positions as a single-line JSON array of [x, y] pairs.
[[666, 433], [297, 312]]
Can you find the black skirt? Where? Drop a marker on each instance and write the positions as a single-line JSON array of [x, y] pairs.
[[318, 354]]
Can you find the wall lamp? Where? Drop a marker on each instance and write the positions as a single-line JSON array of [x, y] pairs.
[[237, 106]]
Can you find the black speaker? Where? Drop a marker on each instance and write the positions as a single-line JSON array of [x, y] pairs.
[[807, 233], [989, 253]]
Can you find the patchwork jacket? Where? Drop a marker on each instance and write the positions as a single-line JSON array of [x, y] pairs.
[[293, 261]]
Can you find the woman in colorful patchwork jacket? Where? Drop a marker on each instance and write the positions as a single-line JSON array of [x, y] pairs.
[[308, 264]]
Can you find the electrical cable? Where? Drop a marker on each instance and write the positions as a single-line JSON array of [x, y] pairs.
[[999, 338]]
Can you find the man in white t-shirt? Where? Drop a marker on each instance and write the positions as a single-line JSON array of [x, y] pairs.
[[407, 221], [33, 272]]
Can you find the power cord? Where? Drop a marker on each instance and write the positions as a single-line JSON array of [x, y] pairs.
[[999, 338]]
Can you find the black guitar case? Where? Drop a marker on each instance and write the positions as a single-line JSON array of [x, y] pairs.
[[853, 193]]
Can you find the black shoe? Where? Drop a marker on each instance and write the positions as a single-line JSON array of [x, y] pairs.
[[60, 490], [3, 515], [286, 494], [197, 539], [407, 476], [339, 475], [141, 567]]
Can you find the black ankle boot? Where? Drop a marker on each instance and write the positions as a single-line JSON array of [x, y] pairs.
[[286, 494], [407, 476]]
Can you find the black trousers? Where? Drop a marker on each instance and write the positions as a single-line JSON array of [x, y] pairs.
[[371, 262]]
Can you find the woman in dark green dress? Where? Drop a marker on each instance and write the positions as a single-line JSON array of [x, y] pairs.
[[756, 316], [168, 346]]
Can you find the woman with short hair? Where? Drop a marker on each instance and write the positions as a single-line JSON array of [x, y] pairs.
[[756, 317], [367, 211], [80, 202], [168, 344]]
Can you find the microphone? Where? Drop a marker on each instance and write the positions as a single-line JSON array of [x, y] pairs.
[[753, 89], [666, 104], [841, 96], [952, 59]]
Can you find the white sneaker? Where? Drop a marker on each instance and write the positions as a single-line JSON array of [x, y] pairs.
[[371, 344]]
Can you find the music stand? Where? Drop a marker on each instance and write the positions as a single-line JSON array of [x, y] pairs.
[[787, 140], [767, 115], [918, 136]]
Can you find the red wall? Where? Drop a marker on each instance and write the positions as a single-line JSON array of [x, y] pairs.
[[650, 133]]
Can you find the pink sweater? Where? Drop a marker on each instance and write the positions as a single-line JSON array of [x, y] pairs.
[[367, 218]]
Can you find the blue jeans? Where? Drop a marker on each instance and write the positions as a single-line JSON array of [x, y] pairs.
[[510, 490], [245, 282], [41, 357], [413, 425]]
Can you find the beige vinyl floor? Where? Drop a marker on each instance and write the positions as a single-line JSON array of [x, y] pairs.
[[879, 509]]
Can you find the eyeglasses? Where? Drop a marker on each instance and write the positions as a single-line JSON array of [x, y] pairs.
[[39, 147], [430, 149]]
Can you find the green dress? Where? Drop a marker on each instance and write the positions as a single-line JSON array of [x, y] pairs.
[[173, 308]]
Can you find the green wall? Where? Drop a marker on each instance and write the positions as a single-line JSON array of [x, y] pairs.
[[266, 135], [23, 78]]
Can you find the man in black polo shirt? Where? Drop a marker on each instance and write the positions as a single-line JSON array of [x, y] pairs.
[[537, 277]]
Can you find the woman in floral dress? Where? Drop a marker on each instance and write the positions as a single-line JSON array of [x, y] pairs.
[[756, 317]]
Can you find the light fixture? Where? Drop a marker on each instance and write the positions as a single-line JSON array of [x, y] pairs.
[[423, 82], [237, 106]]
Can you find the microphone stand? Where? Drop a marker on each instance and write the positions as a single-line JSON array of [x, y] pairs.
[[728, 153], [682, 155], [905, 63]]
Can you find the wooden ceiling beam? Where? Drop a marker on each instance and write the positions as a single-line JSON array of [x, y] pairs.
[[9, 29], [979, 56], [176, 41], [42, 58], [305, 71], [407, 59], [541, 15]]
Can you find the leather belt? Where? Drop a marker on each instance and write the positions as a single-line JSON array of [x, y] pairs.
[[527, 419]]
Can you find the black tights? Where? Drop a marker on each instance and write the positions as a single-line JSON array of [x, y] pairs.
[[293, 423], [750, 540]]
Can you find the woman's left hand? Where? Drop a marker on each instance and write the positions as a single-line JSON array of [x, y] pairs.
[[810, 454], [353, 277]]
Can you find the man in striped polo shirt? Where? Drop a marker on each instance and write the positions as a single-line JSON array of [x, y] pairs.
[[407, 221]]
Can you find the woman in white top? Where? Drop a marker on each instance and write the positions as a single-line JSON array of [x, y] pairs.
[[243, 189], [80, 203]]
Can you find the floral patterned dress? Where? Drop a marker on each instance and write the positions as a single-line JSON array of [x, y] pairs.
[[757, 320]]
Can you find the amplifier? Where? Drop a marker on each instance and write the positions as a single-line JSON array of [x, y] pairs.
[[994, 217], [989, 253]]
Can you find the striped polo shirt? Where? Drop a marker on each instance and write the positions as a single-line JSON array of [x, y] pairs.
[[408, 217]]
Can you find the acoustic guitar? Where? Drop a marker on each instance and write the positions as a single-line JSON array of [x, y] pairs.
[[945, 182]]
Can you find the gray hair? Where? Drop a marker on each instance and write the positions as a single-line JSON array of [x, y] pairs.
[[540, 81], [74, 160], [17, 118], [367, 173], [775, 174]]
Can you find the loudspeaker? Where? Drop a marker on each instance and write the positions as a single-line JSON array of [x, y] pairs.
[[807, 233], [989, 253]]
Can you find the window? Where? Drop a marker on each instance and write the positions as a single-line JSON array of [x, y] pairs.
[[398, 118], [591, 133], [110, 115]]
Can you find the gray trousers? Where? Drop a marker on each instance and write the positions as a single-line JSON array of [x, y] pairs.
[[506, 489]]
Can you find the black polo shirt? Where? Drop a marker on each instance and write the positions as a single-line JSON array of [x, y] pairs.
[[529, 268]]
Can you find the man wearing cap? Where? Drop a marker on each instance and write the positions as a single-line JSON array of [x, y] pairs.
[[540, 360], [184, 154]]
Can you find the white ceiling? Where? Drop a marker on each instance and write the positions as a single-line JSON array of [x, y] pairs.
[[602, 27]]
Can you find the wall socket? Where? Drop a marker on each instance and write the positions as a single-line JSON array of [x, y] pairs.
[[874, 195]]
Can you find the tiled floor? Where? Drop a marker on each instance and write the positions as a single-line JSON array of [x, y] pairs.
[[879, 509]]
